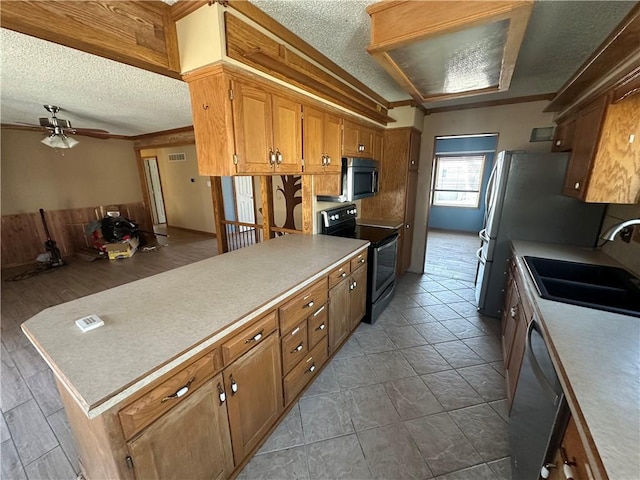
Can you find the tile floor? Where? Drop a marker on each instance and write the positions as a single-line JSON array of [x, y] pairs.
[[420, 394]]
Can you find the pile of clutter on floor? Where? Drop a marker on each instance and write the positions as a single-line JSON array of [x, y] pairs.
[[115, 236]]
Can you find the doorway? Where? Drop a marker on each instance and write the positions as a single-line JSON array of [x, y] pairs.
[[461, 169], [154, 187]]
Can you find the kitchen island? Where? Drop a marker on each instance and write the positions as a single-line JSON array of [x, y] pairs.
[[165, 336], [596, 355]]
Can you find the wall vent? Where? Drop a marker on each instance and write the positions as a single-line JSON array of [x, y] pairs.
[[177, 157]]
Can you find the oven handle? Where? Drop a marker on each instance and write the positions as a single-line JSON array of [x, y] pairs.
[[391, 238]]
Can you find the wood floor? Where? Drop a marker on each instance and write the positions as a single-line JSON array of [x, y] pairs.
[[34, 432]]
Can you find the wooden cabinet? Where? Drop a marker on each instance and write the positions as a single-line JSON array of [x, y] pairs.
[[516, 317], [563, 136], [347, 299], [605, 161], [322, 141], [268, 130], [358, 140], [396, 199], [378, 146], [190, 441], [254, 394], [575, 453]]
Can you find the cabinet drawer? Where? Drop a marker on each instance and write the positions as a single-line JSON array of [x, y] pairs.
[[305, 371], [294, 346], [149, 407], [302, 305], [249, 337], [339, 273], [317, 326], [358, 260]]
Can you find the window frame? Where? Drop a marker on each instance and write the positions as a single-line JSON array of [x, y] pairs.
[[434, 190]]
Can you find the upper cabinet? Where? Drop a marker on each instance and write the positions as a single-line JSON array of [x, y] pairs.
[[605, 155], [358, 140], [322, 140]]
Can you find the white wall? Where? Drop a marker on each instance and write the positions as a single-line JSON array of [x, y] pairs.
[[512, 123], [188, 204], [95, 172]]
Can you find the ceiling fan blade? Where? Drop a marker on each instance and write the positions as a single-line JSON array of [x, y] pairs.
[[39, 127], [92, 132]]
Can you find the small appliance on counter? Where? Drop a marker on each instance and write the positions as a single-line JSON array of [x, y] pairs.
[[359, 179], [383, 252]]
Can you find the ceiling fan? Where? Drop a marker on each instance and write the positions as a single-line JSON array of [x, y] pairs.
[[59, 130]]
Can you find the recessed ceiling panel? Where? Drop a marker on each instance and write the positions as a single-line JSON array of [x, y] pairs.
[[461, 61]]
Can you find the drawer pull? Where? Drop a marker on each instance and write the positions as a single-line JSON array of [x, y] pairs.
[[318, 311], [255, 338], [180, 393], [295, 330], [298, 348], [234, 385], [321, 327], [343, 274], [221, 394], [362, 260], [309, 305], [513, 311], [353, 286], [311, 369]]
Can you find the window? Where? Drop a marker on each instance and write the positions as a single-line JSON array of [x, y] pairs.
[[457, 180]]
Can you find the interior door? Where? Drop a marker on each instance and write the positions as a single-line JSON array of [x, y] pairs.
[[154, 188], [245, 205]]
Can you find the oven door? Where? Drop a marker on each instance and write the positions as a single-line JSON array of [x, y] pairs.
[[383, 267]]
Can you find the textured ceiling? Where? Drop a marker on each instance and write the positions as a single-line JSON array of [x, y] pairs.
[[99, 93]]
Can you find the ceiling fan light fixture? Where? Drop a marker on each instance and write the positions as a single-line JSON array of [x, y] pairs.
[[59, 141]]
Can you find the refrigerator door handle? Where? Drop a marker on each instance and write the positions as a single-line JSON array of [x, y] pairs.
[[479, 256], [483, 235], [488, 193]]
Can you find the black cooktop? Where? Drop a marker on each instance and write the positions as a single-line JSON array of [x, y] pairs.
[[375, 235]]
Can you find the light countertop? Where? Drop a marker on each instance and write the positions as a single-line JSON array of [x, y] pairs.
[[156, 323], [597, 356]]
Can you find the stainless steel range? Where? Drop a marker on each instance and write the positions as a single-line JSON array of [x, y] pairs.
[[383, 253]]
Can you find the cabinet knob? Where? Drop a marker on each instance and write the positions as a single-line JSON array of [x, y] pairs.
[[255, 338], [328, 160], [513, 311], [576, 186], [362, 260], [558, 143], [324, 160], [298, 348], [181, 392], [407, 226], [343, 274], [234, 385], [311, 369], [272, 157], [321, 327], [413, 162], [221, 394], [278, 157], [309, 305]]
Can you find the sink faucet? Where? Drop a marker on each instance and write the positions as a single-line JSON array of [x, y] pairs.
[[610, 234]]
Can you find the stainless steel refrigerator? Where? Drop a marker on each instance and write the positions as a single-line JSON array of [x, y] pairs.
[[524, 201]]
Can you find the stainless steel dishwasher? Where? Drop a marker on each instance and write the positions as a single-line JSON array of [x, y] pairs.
[[539, 413]]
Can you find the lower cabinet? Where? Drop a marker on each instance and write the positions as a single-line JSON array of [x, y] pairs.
[[573, 451], [190, 441], [347, 301], [254, 393]]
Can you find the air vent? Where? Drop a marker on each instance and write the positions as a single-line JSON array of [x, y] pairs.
[[177, 157]]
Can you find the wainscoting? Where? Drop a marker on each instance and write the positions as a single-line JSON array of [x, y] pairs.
[[23, 234]]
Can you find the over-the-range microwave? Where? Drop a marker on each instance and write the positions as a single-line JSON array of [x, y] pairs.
[[359, 179]]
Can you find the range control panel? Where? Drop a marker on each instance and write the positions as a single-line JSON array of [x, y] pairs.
[[338, 215]]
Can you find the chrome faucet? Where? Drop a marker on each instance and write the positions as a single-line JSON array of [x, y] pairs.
[[611, 233]]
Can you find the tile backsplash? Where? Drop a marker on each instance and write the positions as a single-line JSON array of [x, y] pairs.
[[627, 254]]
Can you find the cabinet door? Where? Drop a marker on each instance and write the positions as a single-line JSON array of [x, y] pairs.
[[351, 140], [563, 136], [190, 441], [287, 135], [333, 143], [509, 320], [313, 140], [339, 313], [357, 297], [256, 402], [587, 133], [410, 210], [515, 358], [414, 151], [252, 119], [365, 140]]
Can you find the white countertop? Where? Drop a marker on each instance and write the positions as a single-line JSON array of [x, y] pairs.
[[597, 356], [156, 323]]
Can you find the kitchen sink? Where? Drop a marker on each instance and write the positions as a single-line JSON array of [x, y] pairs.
[[601, 287]]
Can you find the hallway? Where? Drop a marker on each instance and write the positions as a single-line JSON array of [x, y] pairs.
[[452, 254]]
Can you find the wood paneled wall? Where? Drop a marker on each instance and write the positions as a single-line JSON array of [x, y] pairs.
[[23, 235]]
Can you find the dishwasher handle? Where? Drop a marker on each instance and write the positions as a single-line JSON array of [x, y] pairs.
[[535, 366]]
